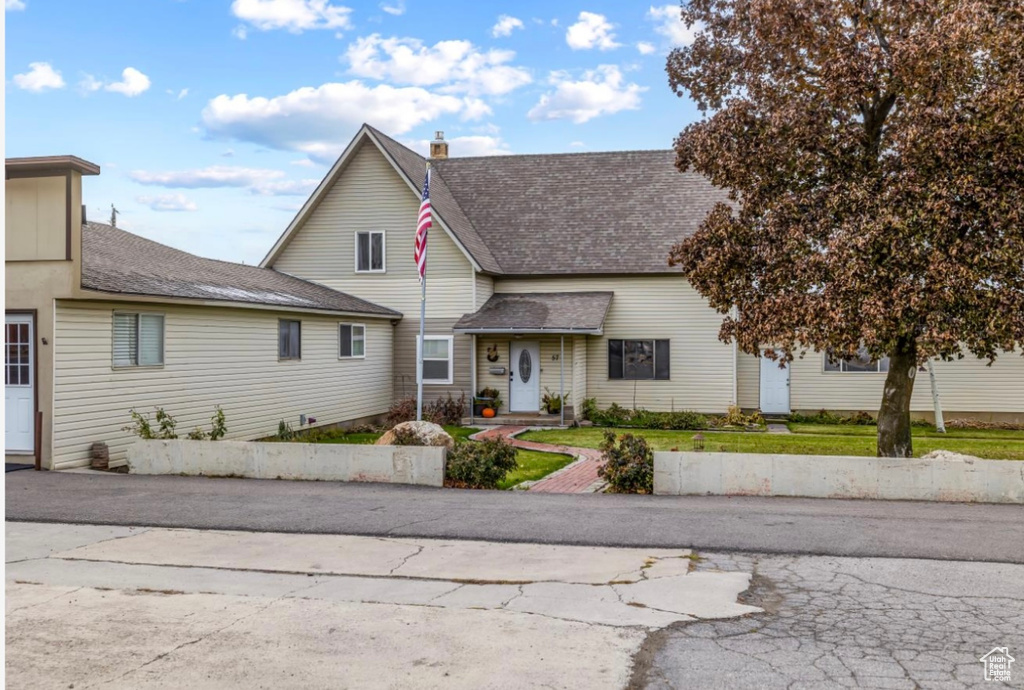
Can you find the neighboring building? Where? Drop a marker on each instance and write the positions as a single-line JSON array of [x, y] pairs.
[[100, 321], [533, 256]]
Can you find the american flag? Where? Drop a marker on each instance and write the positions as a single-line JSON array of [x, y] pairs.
[[422, 225]]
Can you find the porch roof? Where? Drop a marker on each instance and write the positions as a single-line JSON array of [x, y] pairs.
[[577, 313]]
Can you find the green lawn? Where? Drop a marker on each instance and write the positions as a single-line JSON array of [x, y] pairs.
[[997, 448], [533, 465], [918, 431], [456, 432]]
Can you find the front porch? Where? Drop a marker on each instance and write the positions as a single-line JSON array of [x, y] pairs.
[[529, 347]]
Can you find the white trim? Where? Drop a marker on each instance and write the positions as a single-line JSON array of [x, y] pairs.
[[351, 340], [138, 339], [451, 358], [288, 359], [384, 250], [841, 371]]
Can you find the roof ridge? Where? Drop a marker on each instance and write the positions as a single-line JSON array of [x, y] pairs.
[[507, 156]]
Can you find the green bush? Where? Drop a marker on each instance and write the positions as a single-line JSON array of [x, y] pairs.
[[165, 428], [447, 411], [617, 416], [479, 465], [860, 418], [629, 464], [588, 408]]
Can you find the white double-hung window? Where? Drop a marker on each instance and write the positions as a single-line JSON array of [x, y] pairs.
[[370, 252], [138, 339], [351, 340], [437, 359]]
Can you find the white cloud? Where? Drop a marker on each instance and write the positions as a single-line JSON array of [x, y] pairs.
[[133, 82], [181, 94], [89, 83], [304, 163], [470, 145], [601, 91], [645, 48], [454, 66], [240, 32], [295, 16], [671, 26], [262, 181], [40, 76], [213, 176], [397, 9], [506, 25], [168, 202], [591, 31], [320, 121], [14, 5]]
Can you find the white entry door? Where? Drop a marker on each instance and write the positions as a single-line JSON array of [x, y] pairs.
[[774, 387], [524, 377], [19, 388]]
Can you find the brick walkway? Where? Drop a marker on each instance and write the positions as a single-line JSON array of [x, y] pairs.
[[579, 477]]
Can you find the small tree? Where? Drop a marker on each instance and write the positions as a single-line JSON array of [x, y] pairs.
[[874, 154]]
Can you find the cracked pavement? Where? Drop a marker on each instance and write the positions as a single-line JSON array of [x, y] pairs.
[[138, 607], [847, 623], [91, 606]]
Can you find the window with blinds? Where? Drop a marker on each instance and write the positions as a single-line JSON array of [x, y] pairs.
[[138, 339]]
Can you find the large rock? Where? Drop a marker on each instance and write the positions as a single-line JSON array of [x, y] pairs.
[[416, 434]]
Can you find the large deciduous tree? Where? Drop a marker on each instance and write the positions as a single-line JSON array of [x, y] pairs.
[[874, 152]]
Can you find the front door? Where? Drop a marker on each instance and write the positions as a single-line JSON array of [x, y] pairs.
[[524, 377], [774, 387], [20, 381]]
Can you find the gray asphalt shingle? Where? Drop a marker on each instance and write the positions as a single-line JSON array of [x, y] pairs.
[[540, 311], [119, 262]]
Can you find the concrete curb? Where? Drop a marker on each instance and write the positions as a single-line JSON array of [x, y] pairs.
[[838, 476]]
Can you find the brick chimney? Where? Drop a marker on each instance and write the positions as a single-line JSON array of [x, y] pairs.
[[438, 147]]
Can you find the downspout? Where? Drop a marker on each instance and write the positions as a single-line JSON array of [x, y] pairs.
[[561, 380], [472, 377], [735, 363]]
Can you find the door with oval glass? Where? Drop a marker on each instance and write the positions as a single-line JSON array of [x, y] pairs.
[[524, 377]]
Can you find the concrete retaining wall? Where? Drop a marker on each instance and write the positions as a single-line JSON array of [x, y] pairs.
[[312, 461], [827, 476]]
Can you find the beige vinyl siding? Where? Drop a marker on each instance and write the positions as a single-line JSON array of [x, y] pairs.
[[748, 380], [212, 356], [36, 218], [369, 195], [550, 373], [484, 288], [406, 333], [967, 385], [652, 307]]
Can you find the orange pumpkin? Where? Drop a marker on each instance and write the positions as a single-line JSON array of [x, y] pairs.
[[489, 412]]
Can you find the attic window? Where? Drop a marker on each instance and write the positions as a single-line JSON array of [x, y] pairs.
[[370, 252]]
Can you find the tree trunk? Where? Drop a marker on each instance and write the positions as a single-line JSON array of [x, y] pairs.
[[894, 439]]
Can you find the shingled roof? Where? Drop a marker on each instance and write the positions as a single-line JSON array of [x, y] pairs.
[[539, 312], [580, 213], [119, 262]]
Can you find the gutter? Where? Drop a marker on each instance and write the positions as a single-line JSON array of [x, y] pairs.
[[530, 331]]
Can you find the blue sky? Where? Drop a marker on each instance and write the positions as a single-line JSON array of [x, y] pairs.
[[213, 119]]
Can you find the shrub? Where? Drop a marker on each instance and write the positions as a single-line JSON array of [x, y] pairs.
[[735, 417], [978, 424], [479, 465], [142, 427], [446, 411], [629, 464], [285, 431], [645, 419], [588, 408]]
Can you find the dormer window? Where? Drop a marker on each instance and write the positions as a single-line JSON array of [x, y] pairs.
[[370, 252]]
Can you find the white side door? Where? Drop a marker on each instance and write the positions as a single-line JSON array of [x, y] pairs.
[[774, 387], [524, 377], [19, 384]]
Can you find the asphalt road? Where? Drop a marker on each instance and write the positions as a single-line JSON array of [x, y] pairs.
[[748, 524]]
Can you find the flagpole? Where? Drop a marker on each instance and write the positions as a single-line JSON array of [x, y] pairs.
[[423, 318]]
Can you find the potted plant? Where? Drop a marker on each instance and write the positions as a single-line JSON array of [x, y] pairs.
[[552, 403], [487, 399]]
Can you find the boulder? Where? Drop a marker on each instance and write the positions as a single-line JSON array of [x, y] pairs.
[[416, 434]]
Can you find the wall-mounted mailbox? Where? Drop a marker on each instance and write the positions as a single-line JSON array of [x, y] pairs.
[[498, 371]]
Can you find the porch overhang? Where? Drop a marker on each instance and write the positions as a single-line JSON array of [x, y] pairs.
[[539, 313]]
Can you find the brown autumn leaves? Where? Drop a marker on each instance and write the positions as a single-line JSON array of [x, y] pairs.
[[875, 151]]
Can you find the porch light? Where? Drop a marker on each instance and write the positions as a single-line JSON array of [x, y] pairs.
[[698, 442]]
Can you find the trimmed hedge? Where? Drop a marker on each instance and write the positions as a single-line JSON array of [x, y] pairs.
[[479, 464]]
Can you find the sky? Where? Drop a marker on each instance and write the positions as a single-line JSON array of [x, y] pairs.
[[213, 120]]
